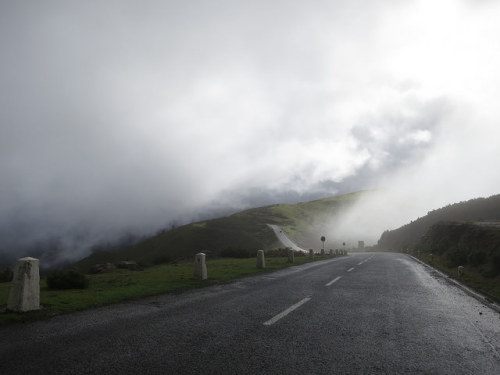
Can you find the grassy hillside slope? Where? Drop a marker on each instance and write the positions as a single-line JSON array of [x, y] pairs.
[[465, 234], [474, 244], [246, 230], [474, 210]]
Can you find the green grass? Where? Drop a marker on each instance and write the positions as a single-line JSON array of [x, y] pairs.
[[122, 285], [473, 276]]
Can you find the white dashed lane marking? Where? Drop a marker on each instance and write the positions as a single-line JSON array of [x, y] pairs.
[[286, 312], [334, 280]]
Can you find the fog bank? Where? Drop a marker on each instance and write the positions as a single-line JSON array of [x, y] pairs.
[[121, 118]]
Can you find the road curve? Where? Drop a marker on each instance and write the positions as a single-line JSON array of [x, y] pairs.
[[283, 238], [380, 313]]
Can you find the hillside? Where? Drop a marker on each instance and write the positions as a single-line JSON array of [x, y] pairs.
[[474, 244], [474, 210], [243, 231], [464, 234]]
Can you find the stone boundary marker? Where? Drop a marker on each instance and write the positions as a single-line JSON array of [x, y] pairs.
[[261, 261], [291, 256], [24, 293], [200, 267]]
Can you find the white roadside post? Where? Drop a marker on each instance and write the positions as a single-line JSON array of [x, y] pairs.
[[24, 293], [261, 261], [200, 267]]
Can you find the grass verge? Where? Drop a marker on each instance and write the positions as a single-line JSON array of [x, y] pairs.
[[122, 285], [472, 277]]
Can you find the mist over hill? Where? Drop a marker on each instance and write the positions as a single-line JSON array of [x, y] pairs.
[[242, 232], [59, 245]]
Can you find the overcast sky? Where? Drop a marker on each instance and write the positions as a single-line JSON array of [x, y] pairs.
[[127, 115]]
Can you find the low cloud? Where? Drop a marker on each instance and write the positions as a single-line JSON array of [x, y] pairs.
[[126, 117]]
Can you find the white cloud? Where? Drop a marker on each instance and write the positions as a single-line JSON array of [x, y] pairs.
[[127, 115]]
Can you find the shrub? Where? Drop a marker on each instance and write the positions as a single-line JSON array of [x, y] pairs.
[[277, 253], [283, 252], [67, 280], [495, 264], [456, 257], [237, 252], [162, 259], [102, 268], [476, 258], [6, 276]]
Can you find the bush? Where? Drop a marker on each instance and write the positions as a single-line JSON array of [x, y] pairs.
[[6, 276], [283, 253], [279, 253], [495, 264], [162, 259], [476, 258], [237, 252], [456, 257], [67, 280]]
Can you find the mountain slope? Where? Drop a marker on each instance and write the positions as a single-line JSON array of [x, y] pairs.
[[246, 230], [463, 234], [474, 210]]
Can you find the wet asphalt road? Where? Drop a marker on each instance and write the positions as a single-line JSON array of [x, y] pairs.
[[365, 313]]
